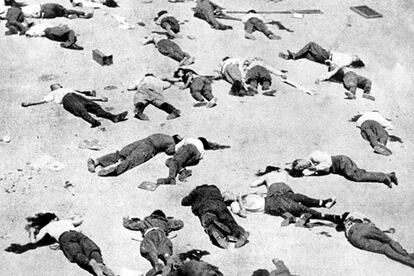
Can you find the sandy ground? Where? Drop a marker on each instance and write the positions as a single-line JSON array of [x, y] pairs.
[[261, 131]]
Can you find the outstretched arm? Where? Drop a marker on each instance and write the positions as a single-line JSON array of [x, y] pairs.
[[27, 104], [215, 146], [258, 182], [134, 224]]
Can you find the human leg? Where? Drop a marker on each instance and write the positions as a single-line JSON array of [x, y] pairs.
[[305, 200], [368, 132], [311, 51], [350, 82], [171, 110], [140, 102], [365, 84], [196, 88], [75, 104]]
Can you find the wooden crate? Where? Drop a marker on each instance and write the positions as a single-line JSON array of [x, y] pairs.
[[366, 12], [101, 58]]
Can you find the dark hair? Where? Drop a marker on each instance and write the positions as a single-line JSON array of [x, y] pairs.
[[159, 213], [177, 138], [149, 74], [261, 272], [357, 64], [184, 70], [161, 13], [206, 144], [268, 170], [355, 118], [226, 58], [251, 11], [39, 220], [294, 171]]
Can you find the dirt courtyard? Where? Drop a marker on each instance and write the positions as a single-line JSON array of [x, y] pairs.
[[261, 131]]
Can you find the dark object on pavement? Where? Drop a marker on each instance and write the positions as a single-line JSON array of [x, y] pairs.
[[366, 12], [101, 58]]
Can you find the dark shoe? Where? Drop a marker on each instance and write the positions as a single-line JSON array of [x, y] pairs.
[[270, 93], [106, 172], [368, 97], [291, 54], [388, 182], [23, 32], [155, 270], [10, 32], [217, 237], [184, 174], [88, 15], [95, 124], [393, 178], [289, 218], [142, 117], [166, 181], [174, 115], [75, 47], [120, 117], [350, 96], [303, 220], [252, 91], [91, 165], [242, 241]]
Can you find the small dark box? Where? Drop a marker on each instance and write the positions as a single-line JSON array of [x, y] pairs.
[[100, 58], [366, 12]]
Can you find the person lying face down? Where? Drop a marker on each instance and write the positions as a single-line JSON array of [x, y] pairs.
[[77, 247], [134, 154], [365, 235], [188, 152], [169, 23], [322, 163], [156, 245], [280, 200], [208, 205]]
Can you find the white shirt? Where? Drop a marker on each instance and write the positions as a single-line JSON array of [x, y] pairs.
[[55, 229], [341, 59], [271, 178], [57, 95], [32, 10], [194, 141], [156, 38], [321, 160], [159, 19], [38, 29], [152, 83], [231, 61], [374, 116]]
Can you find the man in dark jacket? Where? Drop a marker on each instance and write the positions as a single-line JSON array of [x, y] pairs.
[[207, 203], [53, 10], [16, 21], [134, 154], [156, 245], [206, 10]]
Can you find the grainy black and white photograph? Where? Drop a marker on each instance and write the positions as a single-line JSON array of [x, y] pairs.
[[198, 137]]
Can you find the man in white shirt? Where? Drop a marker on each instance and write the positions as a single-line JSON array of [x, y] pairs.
[[374, 129], [150, 91], [322, 163], [79, 103], [363, 234], [350, 80], [169, 48], [314, 52], [253, 22], [188, 152]]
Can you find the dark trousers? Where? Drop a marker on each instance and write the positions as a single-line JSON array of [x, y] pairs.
[[344, 166], [62, 34], [171, 49], [187, 155], [258, 75], [367, 236], [200, 89], [374, 133], [352, 81], [204, 11], [131, 156], [313, 52], [172, 22], [255, 24], [81, 107], [79, 249], [52, 10], [222, 214], [15, 18], [156, 245]]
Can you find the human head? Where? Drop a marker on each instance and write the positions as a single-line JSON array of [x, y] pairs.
[[161, 13], [261, 272], [357, 62], [40, 220], [55, 86], [110, 3], [355, 118], [158, 213], [179, 73], [299, 165], [235, 207], [149, 75], [226, 58], [268, 169], [251, 11]]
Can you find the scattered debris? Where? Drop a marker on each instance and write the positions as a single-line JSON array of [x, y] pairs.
[[101, 58], [48, 77], [110, 87], [149, 186], [5, 139], [47, 162], [90, 144], [366, 12]]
